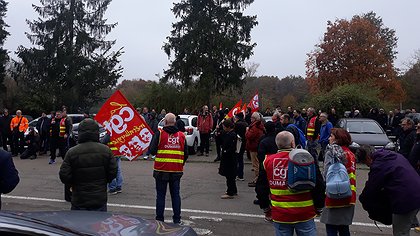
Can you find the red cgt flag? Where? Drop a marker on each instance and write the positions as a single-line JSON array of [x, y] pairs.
[[236, 109], [254, 103], [129, 132]]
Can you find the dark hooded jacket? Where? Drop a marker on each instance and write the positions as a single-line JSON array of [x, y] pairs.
[[392, 175], [88, 167], [407, 139], [9, 177]]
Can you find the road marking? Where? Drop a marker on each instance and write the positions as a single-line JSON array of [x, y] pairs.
[[216, 219], [219, 213]]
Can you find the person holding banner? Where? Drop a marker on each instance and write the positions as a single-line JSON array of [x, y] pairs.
[[171, 150]]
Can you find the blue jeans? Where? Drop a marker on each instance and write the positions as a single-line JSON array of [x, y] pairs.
[[161, 186], [118, 181], [306, 228]]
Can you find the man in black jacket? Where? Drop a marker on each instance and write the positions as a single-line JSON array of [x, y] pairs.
[[407, 137], [43, 127], [88, 168], [266, 146], [9, 177], [6, 133]]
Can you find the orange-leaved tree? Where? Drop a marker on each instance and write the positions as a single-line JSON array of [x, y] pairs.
[[360, 51]]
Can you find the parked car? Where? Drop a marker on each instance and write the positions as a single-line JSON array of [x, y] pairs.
[[75, 118], [191, 132], [366, 131], [268, 118], [74, 136], [85, 223]]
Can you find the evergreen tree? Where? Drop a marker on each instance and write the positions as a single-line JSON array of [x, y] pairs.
[[3, 52], [209, 44], [72, 62]]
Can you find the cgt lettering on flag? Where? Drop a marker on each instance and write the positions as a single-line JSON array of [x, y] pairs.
[[129, 133]]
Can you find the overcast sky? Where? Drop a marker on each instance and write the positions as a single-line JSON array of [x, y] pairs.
[[287, 30]]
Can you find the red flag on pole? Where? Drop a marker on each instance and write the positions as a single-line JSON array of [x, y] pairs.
[[236, 109], [254, 103], [129, 133], [244, 107]]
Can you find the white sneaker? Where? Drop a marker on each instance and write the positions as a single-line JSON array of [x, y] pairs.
[[153, 157], [146, 157]]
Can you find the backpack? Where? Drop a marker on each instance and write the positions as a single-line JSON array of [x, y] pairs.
[[301, 173], [298, 134], [337, 179]]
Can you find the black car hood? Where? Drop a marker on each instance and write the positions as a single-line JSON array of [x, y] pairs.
[[107, 223], [370, 139]]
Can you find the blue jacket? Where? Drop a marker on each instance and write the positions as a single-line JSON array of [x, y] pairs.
[[392, 174], [300, 123], [325, 132], [9, 177]]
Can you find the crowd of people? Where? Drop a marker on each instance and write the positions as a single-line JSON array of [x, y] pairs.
[[266, 143]]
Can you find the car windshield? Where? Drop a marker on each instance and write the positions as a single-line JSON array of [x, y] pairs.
[[363, 127], [185, 120]]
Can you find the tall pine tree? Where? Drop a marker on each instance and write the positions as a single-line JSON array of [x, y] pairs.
[[3, 52], [209, 44], [72, 62]]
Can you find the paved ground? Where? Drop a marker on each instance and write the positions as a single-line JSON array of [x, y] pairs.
[[201, 188]]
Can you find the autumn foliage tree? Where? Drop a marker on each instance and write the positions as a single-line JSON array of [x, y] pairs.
[[360, 51]]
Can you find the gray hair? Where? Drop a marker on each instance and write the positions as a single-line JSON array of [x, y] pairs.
[[256, 115], [170, 119], [285, 139]]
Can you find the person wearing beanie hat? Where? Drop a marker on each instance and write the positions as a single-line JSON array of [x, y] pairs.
[[87, 168]]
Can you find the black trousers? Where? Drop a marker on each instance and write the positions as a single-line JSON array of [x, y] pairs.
[[231, 185], [60, 143], [205, 143], [53, 147], [18, 142], [6, 138], [219, 145]]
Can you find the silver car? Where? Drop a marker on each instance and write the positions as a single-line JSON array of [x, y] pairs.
[[365, 131]]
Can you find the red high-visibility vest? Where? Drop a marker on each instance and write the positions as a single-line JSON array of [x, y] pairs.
[[351, 170], [287, 206], [310, 129], [62, 127], [170, 154]]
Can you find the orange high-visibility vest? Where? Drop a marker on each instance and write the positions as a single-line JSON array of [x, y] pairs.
[[24, 124], [287, 206], [351, 170], [170, 154]]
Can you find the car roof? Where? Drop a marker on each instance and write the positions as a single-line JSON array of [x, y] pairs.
[[90, 222], [357, 119], [186, 116]]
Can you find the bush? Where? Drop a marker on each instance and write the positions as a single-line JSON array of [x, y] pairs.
[[343, 98]]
